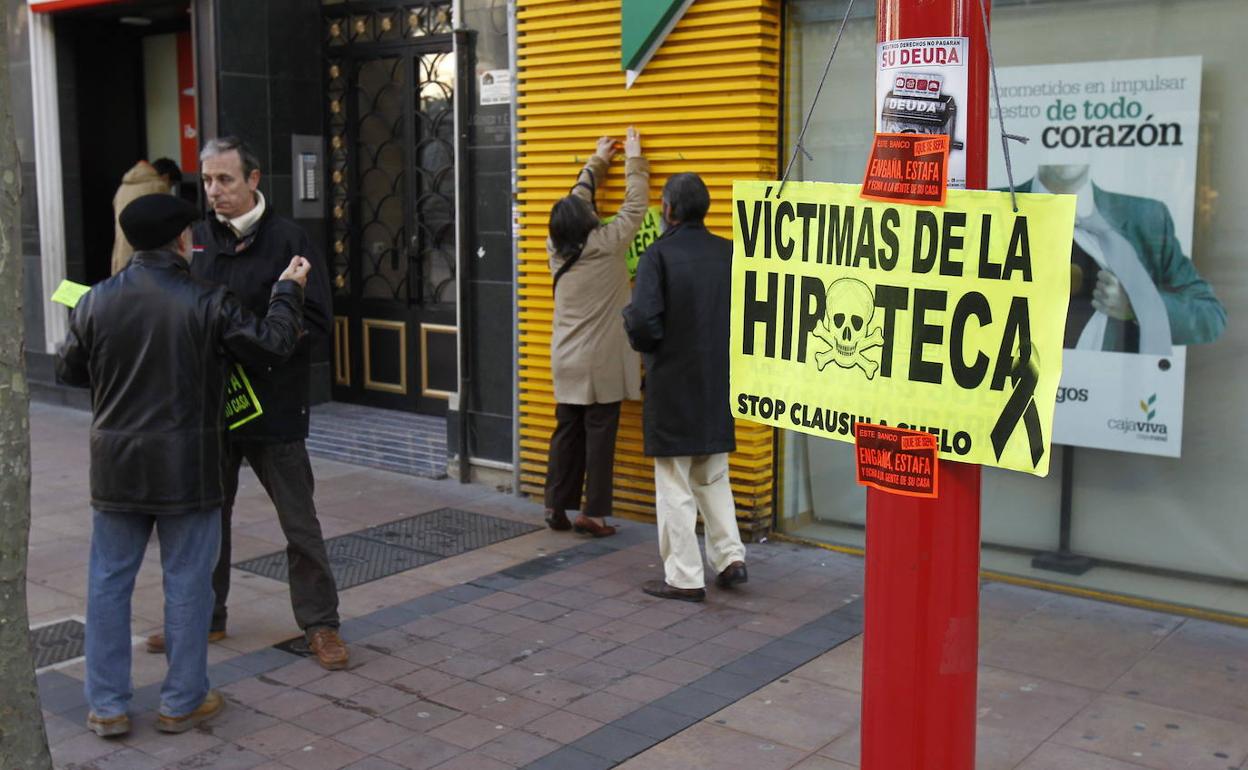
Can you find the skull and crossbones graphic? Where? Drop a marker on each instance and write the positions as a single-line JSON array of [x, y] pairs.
[[845, 328]]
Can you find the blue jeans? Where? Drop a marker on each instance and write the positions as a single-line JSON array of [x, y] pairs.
[[188, 550]]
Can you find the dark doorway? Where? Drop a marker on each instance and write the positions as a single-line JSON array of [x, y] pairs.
[[105, 99], [393, 251]]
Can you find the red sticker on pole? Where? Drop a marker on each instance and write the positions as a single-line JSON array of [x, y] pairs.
[[896, 460], [908, 168]]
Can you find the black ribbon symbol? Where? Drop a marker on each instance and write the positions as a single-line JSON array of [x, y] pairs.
[[1021, 406]]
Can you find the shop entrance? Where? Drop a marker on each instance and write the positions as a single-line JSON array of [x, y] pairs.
[[126, 93], [391, 118]]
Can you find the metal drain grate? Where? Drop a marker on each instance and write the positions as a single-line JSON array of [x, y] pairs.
[[377, 552], [446, 532], [58, 642], [353, 560]]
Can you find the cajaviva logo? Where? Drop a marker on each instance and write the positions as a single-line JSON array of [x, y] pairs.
[[1149, 428]]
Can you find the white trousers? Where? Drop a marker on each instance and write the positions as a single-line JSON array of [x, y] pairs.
[[683, 486]]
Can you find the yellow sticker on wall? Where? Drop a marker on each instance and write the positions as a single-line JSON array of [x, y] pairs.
[[945, 320], [651, 229]]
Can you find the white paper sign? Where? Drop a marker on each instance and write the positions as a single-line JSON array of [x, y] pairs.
[[921, 87], [496, 87]]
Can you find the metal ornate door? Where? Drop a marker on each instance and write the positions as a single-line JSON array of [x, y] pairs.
[[393, 236]]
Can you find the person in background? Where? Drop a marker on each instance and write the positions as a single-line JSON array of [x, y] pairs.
[[151, 343], [169, 172], [142, 179], [592, 366], [679, 319]]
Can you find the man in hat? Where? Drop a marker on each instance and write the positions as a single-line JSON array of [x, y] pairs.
[[151, 343]]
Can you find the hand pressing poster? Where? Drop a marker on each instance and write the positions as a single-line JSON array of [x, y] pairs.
[[1121, 136]]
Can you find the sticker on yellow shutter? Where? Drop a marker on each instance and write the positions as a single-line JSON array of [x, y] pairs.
[[651, 229], [943, 320]]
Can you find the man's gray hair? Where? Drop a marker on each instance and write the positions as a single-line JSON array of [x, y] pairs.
[[224, 144], [686, 197]]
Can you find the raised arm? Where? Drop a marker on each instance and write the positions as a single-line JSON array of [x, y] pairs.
[[627, 222], [594, 171], [271, 339]]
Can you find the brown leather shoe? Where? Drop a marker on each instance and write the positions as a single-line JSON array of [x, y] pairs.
[[557, 520], [330, 650], [212, 705], [108, 727], [733, 574], [156, 642], [587, 526], [661, 589]]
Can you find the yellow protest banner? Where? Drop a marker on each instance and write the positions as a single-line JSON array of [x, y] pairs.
[[944, 320]]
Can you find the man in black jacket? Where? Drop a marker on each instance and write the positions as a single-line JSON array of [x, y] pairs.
[[678, 319], [238, 246], [151, 343]]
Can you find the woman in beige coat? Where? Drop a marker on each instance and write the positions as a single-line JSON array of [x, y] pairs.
[[594, 367], [143, 179]]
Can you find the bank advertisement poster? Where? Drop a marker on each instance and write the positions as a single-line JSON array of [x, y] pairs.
[[1122, 136], [946, 320]]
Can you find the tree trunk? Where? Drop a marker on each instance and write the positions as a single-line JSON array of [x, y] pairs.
[[23, 741]]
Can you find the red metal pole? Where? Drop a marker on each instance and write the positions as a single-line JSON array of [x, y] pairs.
[[921, 630]]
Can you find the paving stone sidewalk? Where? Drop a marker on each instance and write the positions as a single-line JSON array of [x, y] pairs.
[[541, 652]]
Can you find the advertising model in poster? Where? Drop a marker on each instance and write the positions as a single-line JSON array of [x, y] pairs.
[[921, 88], [1122, 136]]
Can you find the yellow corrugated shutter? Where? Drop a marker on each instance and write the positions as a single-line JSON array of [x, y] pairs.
[[707, 102]]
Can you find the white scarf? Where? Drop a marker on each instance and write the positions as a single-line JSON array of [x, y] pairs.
[[242, 225]]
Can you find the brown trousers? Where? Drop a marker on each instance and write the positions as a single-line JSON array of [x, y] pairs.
[[582, 458]]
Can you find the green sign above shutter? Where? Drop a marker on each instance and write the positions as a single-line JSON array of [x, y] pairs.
[[645, 25]]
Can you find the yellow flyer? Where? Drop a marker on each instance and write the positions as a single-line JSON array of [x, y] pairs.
[[945, 320], [69, 293], [241, 404]]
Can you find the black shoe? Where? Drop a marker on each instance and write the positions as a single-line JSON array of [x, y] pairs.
[[733, 574], [557, 520], [661, 589]]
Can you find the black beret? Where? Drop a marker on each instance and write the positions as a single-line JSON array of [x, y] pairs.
[[153, 221]]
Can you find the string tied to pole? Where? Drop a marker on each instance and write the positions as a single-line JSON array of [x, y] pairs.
[[801, 137], [1006, 137]]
